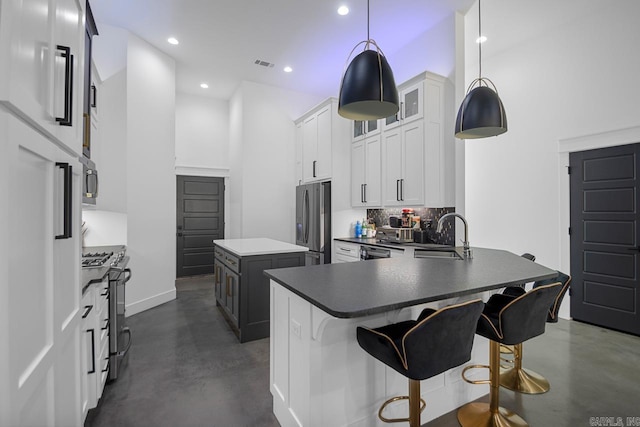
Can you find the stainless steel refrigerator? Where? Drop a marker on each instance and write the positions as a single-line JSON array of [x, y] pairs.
[[313, 221]]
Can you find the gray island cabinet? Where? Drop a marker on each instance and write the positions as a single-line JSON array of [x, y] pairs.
[[241, 288]]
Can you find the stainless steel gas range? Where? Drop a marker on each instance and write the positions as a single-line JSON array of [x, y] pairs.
[[119, 275]]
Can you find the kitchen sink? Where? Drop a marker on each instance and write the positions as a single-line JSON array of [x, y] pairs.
[[441, 253]]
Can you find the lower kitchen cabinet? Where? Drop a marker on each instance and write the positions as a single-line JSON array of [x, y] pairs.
[[242, 290], [40, 317]]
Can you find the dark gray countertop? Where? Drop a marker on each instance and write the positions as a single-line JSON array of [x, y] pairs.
[[364, 288]]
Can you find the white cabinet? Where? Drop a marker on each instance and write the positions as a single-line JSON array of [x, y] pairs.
[[366, 177], [404, 165], [317, 135], [298, 137], [418, 156], [411, 97], [364, 128], [346, 252], [40, 348], [41, 44]]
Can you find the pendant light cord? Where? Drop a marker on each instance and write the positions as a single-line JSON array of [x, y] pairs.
[[368, 37], [479, 43]]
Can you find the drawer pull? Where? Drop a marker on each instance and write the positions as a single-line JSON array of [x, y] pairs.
[[93, 351], [87, 310], [106, 325]]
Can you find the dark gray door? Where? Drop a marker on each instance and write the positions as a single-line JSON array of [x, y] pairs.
[[605, 238], [200, 220]]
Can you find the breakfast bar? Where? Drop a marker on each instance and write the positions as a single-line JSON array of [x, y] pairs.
[[319, 376]]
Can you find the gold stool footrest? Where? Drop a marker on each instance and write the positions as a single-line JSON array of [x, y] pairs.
[[464, 371], [423, 405]]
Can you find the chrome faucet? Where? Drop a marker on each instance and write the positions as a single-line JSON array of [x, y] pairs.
[[465, 243]]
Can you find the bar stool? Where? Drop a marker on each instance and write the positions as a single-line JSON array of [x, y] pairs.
[[419, 349], [505, 320], [523, 380]]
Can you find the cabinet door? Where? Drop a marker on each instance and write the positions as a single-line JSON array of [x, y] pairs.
[[34, 78], [373, 171], [411, 99], [392, 161], [232, 289], [309, 148], [412, 183], [323, 165], [69, 32], [43, 351], [218, 270], [299, 136], [358, 162]]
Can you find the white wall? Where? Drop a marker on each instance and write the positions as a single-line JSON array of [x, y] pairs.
[[569, 71], [109, 143], [151, 181], [262, 159], [202, 132]]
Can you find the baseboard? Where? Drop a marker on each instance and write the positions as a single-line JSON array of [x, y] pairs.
[[147, 303]]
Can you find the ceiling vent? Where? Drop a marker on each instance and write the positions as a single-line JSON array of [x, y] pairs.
[[264, 63]]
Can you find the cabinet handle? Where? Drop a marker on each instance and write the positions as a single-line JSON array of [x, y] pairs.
[[401, 110], [67, 200], [92, 190], [94, 97], [365, 193], [398, 190], [105, 293], [87, 310], [93, 351], [87, 130], [314, 168], [106, 367], [361, 193], [345, 250], [106, 325], [68, 86], [227, 284]]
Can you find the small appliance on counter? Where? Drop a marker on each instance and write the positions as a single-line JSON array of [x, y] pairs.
[[395, 235], [421, 236]]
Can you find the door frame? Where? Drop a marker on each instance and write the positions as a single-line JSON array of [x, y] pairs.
[[209, 173], [612, 138]]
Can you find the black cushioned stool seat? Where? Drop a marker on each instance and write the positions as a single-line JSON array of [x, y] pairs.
[[516, 377], [506, 320], [419, 349]]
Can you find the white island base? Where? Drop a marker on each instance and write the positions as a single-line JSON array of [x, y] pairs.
[[319, 375]]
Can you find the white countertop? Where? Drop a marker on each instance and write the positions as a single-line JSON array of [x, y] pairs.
[[259, 246]]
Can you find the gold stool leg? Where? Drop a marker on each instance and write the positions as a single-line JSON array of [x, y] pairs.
[[491, 414], [523, 380], [416, 406]]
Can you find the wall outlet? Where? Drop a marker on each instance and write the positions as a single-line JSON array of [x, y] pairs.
[[296, 328]]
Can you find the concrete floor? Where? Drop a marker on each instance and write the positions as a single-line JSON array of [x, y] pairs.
[[186, 368]]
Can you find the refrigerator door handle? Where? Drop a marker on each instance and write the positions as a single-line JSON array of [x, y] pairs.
[[306, 216]]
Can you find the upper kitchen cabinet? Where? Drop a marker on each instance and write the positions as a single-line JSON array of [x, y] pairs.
[[364, 128], [418, 156], [366, 178], [42, 46], [89, 100], [411, 95], [319, 129]]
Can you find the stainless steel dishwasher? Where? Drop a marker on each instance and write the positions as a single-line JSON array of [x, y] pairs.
[[374, 252]]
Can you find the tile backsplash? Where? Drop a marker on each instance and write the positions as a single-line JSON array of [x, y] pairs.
[[428, 221]]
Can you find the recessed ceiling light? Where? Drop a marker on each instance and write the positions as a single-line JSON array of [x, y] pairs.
[[173, 40], [288, 69], [204, 86], [343, 10], [481, 39]]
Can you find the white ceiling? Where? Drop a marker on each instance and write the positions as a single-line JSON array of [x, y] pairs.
[[220, 40]]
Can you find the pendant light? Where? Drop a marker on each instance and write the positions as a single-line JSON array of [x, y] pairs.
[[368, 90], [481, 113]]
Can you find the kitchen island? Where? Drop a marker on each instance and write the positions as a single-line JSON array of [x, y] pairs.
[[241, 289], [319, 375]]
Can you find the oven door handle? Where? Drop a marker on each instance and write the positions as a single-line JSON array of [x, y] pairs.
[[127, 272]]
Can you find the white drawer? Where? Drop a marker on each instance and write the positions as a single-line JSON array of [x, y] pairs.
[[347, 250]]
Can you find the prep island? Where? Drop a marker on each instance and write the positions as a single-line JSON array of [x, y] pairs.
[[319, 376]]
